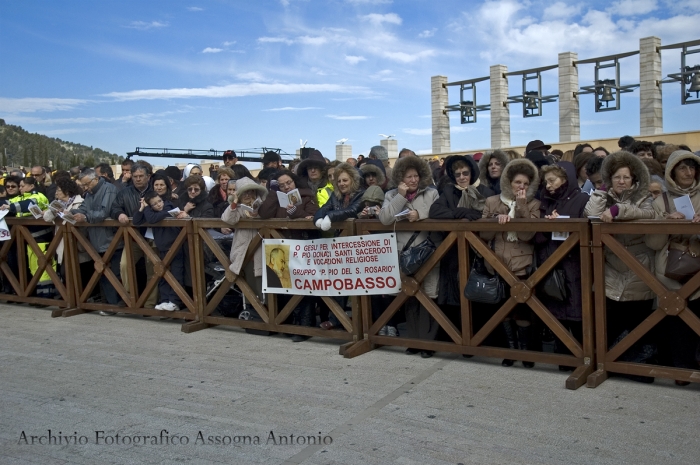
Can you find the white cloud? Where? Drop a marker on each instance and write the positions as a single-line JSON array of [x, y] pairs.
[[232, 90], [633, 7], [312, 40], [252, 76], [418, 132], [149, 119], [353, 60], [229, 43], [143, 25], [212, 50], [406, 57], [376, 18], [368, 2], [31, 105], [195, 8], [294, 109], [560, 10], [427, 33], [273, 40], [347, 118]]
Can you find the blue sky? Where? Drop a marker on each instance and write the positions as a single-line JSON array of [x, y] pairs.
[[237, 74]]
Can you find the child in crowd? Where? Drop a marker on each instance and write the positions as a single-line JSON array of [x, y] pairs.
[[372, 201], [153, 210]]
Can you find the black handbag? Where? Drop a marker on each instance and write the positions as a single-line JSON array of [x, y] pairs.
[[682, 263], [554, 285], [412, 258], [482, 286]]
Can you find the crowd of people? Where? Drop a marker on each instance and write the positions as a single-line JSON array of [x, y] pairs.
[[640, 180]]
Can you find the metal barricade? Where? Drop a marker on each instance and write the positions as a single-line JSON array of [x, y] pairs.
[[463, 340]]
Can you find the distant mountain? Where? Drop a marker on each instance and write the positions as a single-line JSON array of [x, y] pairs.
[[25, 149]]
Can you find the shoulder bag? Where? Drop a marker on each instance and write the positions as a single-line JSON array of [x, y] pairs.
[[683, 263], [482, 286], [412, 258]]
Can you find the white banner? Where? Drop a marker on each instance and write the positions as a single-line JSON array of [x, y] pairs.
[[355, 265]]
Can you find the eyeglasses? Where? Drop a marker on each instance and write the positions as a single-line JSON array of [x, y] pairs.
[[286, 184], [86, 185], [465, 173], [11, 186], [194, 189]]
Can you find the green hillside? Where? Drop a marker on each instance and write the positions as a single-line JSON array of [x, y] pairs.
[[26, 149]]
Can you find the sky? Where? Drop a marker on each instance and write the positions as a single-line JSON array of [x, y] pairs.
[[228, 74]]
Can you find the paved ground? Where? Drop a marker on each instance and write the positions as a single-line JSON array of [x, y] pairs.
[[133, 377]]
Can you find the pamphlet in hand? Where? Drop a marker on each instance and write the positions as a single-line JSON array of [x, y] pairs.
[[174, 212], [402, 215], [292, 197], [56, 206], [559, 235], [67, 216], [685, 206], [36, 211]]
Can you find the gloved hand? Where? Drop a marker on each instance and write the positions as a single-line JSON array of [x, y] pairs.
[[326, 223], [318, 223]]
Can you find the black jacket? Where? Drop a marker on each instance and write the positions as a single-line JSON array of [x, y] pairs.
[[203, 208], [128, 201], [336, 211], [445, 207], [162, 236]]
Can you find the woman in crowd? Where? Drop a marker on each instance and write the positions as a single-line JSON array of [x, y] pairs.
[[270, 208], [628, 299], [413, 178], [580, 162], [344, 203], [314, 172], [682, 178], [218, 195], [490, 169], [373, 174], [562, 197], [194, 203], [460, 200], [161, 185], [519, 183], [69, 195]]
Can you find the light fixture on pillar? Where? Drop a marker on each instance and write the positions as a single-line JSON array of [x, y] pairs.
[[532, 100], [607, 90], [467, 106], [689, 75]]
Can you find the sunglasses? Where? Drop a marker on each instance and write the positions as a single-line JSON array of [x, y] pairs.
[[11, 186], [194, 189]]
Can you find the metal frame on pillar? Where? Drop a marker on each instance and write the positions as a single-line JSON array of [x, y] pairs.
[[532, 100], [689, 75], [467, 105], [607, 90]]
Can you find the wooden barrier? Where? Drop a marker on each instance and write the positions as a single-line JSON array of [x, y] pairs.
[[273, 318], [126, 236], [464, 341], [23, 284], [671, 303]]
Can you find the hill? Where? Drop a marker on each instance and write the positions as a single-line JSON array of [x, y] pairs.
[[27, 149]]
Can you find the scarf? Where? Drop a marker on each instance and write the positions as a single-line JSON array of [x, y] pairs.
[[411, 196], [471, 198], [512, 235]]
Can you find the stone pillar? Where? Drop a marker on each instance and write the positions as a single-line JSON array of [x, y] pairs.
[[441, 121], [343, 152], [569, 112], [500, 112], [651, 117], [392, 146]]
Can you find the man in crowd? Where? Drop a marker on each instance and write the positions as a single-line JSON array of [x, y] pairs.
[[125, 179], [49, 190], [230, 158], [103, 170], [272, 160], [98, 198], [128, 202]]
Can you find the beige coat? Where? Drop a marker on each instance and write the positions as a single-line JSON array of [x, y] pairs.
[[660, 242], [621, 283], [518, 256], [395, 203]]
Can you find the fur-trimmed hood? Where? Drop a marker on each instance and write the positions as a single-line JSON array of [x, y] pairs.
[[638, 169], [354, 176], [500, 155], [523, 166], [673, 160], [421, 166], [471, 163], [376, 168]]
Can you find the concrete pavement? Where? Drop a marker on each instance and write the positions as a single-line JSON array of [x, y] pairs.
[[91, 378]]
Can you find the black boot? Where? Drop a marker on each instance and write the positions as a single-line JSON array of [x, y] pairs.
[[305, 319], [510, 337], [523, 340]]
